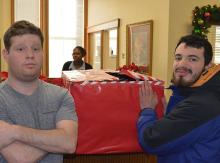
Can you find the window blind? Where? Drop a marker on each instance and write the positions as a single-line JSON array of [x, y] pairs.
[[214, 39]]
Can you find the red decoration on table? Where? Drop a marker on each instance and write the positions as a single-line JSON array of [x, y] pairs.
[[134, 67]]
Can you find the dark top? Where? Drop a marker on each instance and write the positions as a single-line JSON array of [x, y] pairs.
[[67, 65], [190, 133]]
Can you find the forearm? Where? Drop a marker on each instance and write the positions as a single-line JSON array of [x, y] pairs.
[[59, 140], [146, 120], [147, 117], [6, 134], [22, 153]]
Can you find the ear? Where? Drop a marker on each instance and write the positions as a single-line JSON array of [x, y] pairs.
[[5, 54]]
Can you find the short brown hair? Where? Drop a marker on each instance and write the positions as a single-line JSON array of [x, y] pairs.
[[20, 28]]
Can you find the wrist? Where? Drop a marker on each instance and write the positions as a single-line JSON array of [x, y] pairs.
[[147, 111], [148, 108], [16, 132], [143, 108]]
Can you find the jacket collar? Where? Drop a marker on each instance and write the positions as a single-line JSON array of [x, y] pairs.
[[207, 75]]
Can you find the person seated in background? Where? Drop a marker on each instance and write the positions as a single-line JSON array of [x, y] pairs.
[[77, 63], [190, 131], [38, 121]]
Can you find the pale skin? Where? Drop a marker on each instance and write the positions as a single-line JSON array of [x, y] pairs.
[[189, 64], [19, 143], [148, 98]]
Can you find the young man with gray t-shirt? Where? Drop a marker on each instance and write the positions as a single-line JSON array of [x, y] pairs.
[[38, 121]]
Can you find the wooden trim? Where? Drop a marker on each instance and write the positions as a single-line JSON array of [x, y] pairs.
[[85, 28], [102, 48], [104, 26], [41, 14], [12, 11], [89, 49], [44, 20], [127, 45], [118, 58]]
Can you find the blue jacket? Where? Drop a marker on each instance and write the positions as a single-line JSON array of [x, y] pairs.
[[175, 98], [190, 132]]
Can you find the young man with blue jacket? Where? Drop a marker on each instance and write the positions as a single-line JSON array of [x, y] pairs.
[[190, 131]]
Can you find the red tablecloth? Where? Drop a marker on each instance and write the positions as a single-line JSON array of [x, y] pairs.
[[107, 114]]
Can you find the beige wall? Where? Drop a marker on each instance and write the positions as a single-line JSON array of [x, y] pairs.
[[5, 21], [130, 11], [172, 19]]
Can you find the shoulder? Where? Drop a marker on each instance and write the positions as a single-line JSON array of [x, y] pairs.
[[3, 87], [66, 65], [88, 66], [202, 106], [3, 90], [204, 99], [52, 89], [2, 84]]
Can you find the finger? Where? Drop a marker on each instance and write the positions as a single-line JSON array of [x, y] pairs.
[[141, 88], [147, 88]]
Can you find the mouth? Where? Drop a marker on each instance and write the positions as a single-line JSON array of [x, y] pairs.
[[30, 65], [181, 72]]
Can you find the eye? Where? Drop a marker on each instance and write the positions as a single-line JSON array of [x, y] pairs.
[[36, 49], [178, 58], [20, 49], [193, 59]]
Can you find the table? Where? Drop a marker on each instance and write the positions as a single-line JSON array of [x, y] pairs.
[[108, 112]]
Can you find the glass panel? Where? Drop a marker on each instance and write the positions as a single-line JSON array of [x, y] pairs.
[[113, 42], [97, 54], [27, 10], [65, 32], [109, 49]]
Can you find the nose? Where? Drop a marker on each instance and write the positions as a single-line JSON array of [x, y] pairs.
[[29, 53], [183, 62]]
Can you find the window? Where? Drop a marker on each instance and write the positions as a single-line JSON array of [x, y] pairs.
[[214, 38], [217, 45], [113, 42], [65, 32], [27, 10]]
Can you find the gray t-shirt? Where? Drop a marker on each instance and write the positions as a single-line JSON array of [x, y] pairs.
[[48, 105]]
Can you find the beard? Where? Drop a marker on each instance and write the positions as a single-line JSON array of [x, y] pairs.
[[180, 81]]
